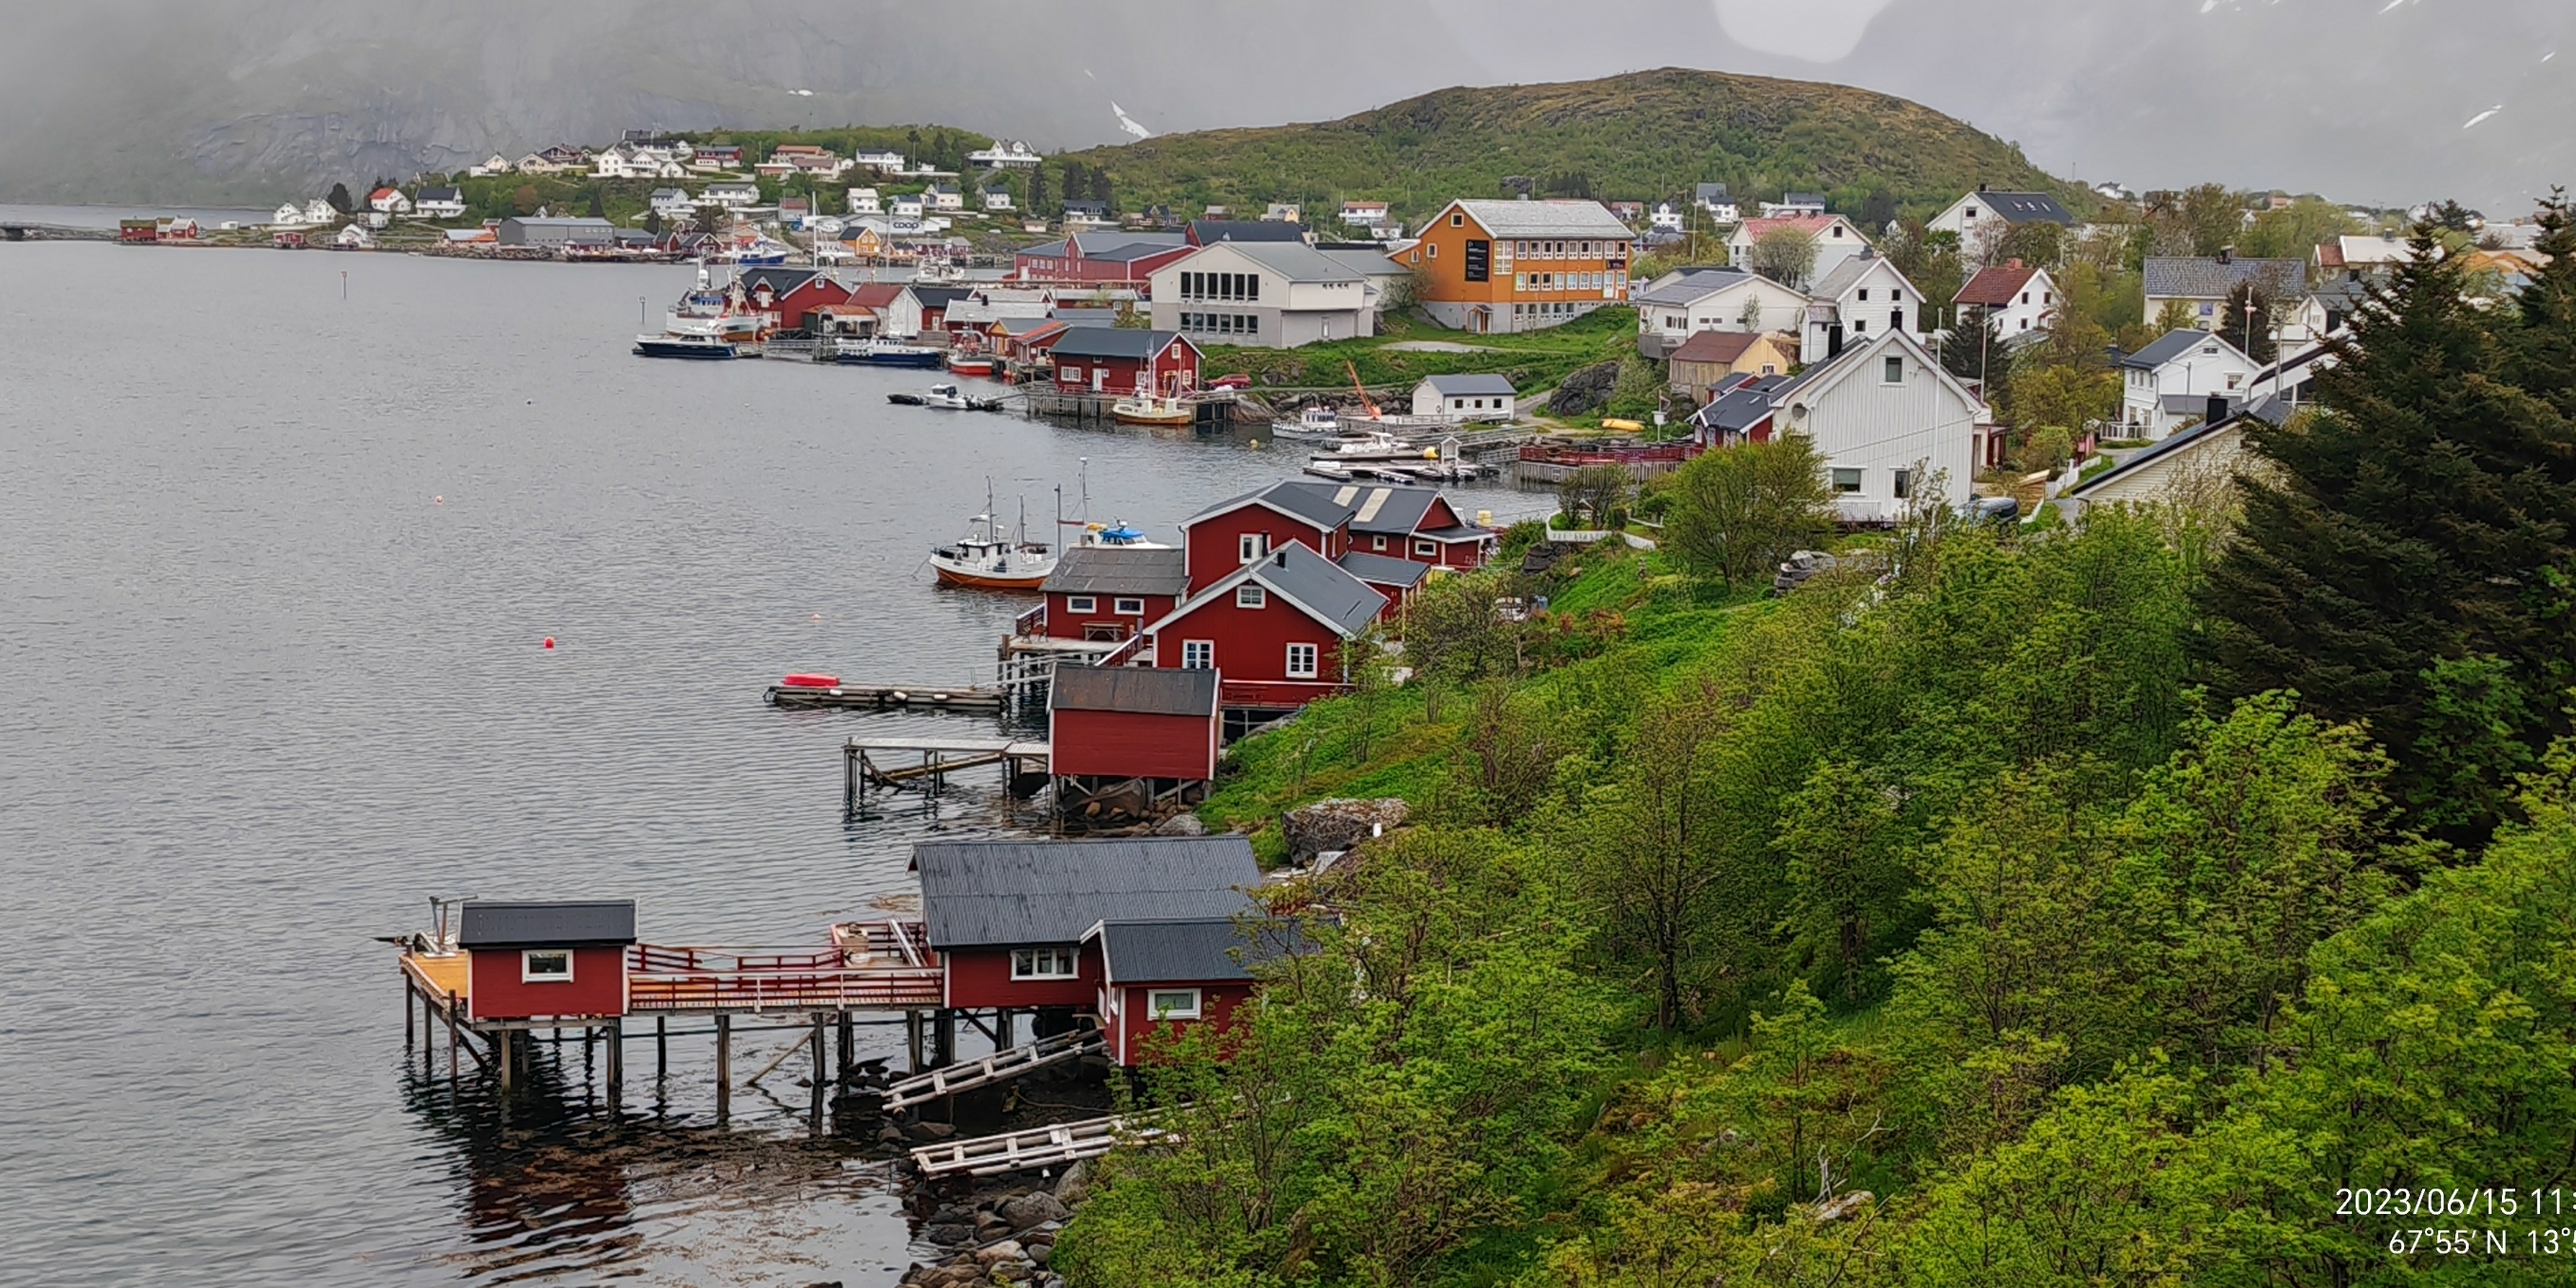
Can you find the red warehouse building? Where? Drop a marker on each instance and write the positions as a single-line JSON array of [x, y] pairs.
[[1121, 722], [1159, 978], [1117, 360], [1103, 257], [1275, 630], [562, 960], [1335, 520], [1110, 592], [1007, 917]]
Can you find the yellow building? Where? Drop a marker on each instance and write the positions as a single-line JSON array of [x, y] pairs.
[[1498, 266]]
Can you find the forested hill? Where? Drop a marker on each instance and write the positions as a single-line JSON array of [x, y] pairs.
[[1640, 137]]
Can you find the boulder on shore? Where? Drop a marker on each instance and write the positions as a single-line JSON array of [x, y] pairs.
[[1339, 825], [1181, 824], [1075, 1185], [1031, 1210]]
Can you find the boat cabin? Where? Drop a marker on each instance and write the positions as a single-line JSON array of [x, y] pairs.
[[1123, 722], [1008, 917], [1158, 979], [546, 960]]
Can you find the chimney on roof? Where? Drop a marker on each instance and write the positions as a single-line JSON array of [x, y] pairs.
[[2014, 262], [1981, 187], [1280, 560], [2226, 254], [2216, 411], [1834, 340]]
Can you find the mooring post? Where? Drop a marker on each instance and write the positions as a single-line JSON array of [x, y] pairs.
[[724, 1066], [509, 1059], [409, 993], [846, 1053], [817, 1111], [849, 779], [912, 1037], [616, 1061], [449, 1010], [661, 1048], [589, 1036], [1002, 1030]]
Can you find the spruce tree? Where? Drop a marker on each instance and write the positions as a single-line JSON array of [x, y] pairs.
[[2395, 548], [2245, 321]]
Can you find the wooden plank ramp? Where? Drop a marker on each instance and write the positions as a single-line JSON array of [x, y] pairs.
[[1014, 1151], [1001, 1066], [890, 697]]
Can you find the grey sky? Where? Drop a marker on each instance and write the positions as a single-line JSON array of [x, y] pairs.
[[2363, 100]]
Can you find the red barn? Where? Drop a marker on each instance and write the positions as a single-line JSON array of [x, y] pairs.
[[1275, 629], [1335, 520], [1108, 256], [1413, 523], [1008, 917], [1123, 361], [559, 960], [1121, 722], [1110, 592], [1159, 978]]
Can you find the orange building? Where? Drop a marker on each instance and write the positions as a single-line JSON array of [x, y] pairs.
[[1496, 266]]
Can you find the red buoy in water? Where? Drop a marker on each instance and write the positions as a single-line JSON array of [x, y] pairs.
[[550, 641]]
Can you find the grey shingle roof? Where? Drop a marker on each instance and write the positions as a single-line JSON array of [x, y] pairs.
[[1735, 412], [2027, 207], [1119, 570], [1709, 192], [1296, 261], [1468, 386], [1849, 270], [1696, 284], [1142, 690], [779, 280], [557, 924], [1307, 501], [1113, 342], [2167, 347], [1202, 950], [1383, 570], [1208, 232], [2183, 277], [1367, 262], [2274, 411], [1547, 219], [993, 894], [1314, 582]]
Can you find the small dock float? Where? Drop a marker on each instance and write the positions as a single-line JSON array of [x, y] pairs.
[[1014, 1151], [1001, 1066], [888, 697]]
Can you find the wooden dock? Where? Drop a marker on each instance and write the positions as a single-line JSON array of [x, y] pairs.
[[890, 697], [1001, 1066], [863, 763], [1014, 1151]]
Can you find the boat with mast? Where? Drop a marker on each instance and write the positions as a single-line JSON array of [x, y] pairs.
[[986, 559]]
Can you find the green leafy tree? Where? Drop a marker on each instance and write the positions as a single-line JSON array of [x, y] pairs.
[[1737, 512], [2175, 315], [1589, 495], [1652, 863], [2037, 242], [1785, 254]]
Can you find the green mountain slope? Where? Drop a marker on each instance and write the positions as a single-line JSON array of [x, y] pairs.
[[1641, 136]]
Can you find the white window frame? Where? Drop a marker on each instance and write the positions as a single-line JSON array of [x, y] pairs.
[[1056, 962], [1857, 478], [1251, 597], [1198, 655], [1081, 604], [1249, 547], [1313, 657], [1377, 543], [1429, 549], [1157, 1012], [1130, 607], [528, 974]]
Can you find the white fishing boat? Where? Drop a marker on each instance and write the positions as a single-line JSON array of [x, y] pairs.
[[1313, 422], [1145, 409], [988, 560], [945, 398]]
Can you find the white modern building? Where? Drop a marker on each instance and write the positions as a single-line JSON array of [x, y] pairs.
[[1271, 294]]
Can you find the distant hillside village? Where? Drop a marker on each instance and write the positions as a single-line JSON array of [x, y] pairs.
[[2028, 331]]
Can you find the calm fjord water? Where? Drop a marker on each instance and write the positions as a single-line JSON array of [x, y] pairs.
[[262, 693]]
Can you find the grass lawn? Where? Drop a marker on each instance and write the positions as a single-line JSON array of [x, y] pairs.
[[1531, 360]]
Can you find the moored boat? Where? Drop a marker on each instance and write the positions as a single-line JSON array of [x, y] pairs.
[[1313, 422], [1148, 410], [684, 346], [971, 364], [987, 560], [877, 351], [946, 398]]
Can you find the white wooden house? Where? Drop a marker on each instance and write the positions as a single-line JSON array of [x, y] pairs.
[[2173, 380], [1862, 295]]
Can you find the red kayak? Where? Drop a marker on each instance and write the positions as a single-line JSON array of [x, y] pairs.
[[810, 682]]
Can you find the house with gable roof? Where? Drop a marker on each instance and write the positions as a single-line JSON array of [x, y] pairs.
[[2175, 378], [1505, 266], [2202, 284], [1835, 237], [1124, 258], [1277, 630], [1884, 415], [1686, 301], [1274, 294], [1861, 294], [2016, 298], [1982, 218]]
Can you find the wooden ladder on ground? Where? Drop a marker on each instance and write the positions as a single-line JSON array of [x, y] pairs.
[[1014, 1151], [1001, 1066]]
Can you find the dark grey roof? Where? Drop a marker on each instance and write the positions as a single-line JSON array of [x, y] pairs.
[[2274, 411], [1113, 342], [1086, 207], [1383, 570], [559, 924], [1120, 570], [440, 194], [2169, 346], [1312, 580], [990, 894], [1047, 250], [2027, 207], [1198, 950], [940, 297], [1470, 386], [1208, 232], [1709, 192], [780, 280], [2190, 404], [2181, 277], [1736, 411], [1141, 690], [1082, 316], [1695, 284], [1802, 199], [1313, 502]]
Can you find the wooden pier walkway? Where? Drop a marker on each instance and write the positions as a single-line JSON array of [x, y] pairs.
[[1001, 1066], [940, 757], [1014, 1151], [891, 697]]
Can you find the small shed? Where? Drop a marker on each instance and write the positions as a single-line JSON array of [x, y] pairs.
[[1164, 977], [546, 960], [1473, 397], [1133, 722]]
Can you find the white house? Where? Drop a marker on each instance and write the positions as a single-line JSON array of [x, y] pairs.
[[2173, 379], [1792, 205], [944, 196], [389, 201], [2016, 298], [492, 165], [1275, 295], [882, 162], [1981, 218], [1882, 415], [673, 203], [1687, 301], [2202, 285], [731, 196], [2183, 468], [1862, 294], [319, 211], [863, 201], [1464, 398], [1284, 212], [1666, 216], [997, 200], [1009, 152], [1721, 208], [439, 203], [353, 237], [1364, 214], [289, 215], [908, 205], [1834, 236], [535, 163]]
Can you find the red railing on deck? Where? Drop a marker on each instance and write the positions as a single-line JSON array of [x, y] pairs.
[[877, 966], [1032, 622], [1602, 456]]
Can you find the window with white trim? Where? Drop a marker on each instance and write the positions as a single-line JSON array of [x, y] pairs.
[[1081, 604], [545, 966], [1131, 607], [1251, 597], [1198, 655], [1172, 1003], [1301, 661], [1251, 546], [1846, 480], [1042, 963], [1377, 543], [1427, 549]]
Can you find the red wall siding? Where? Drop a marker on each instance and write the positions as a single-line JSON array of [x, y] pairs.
[[1065, 624], [1120, 744], [981, 977], [597, 988], [1215, 549], [1252, 643], [1133, 1030]]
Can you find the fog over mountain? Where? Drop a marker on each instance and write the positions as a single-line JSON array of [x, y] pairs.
[[252, 100]]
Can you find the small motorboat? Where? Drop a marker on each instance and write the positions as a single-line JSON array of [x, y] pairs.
[[945, 398], [1148, 410], [699, 346], [971, 364], [1118, 534], [877, 351], [1314, 422]]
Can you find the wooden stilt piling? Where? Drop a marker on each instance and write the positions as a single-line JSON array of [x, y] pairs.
[[724, 1066], [912, 1038], [661, 1048], [847, 1054], [616, 1061], [816, 1112], [944, 1039]]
